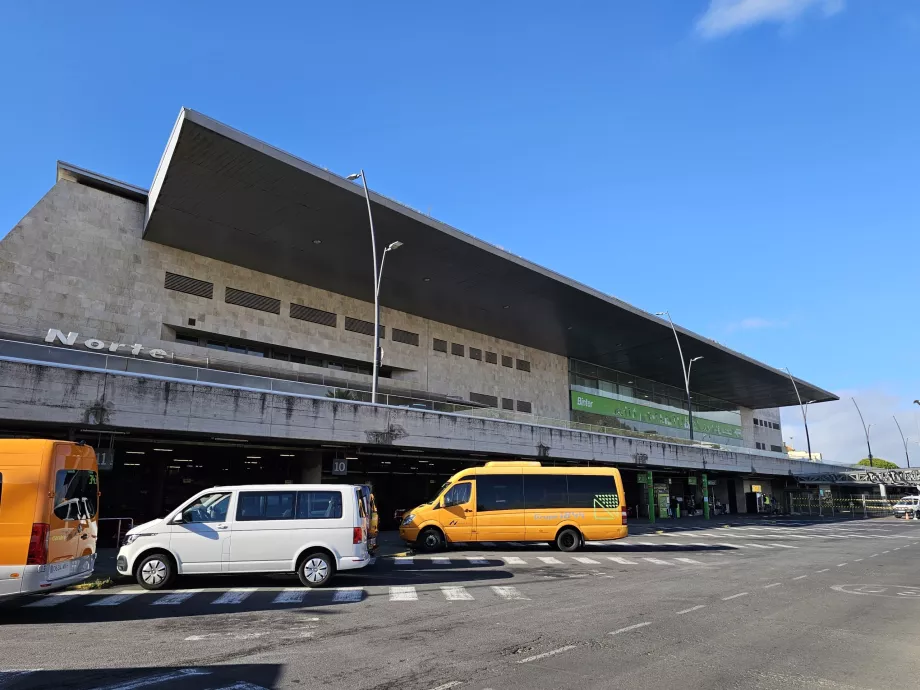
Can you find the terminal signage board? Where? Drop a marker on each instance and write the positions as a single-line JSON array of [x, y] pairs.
[[610, 407]]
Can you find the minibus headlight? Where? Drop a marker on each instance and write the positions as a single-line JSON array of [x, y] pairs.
[[408, 519]]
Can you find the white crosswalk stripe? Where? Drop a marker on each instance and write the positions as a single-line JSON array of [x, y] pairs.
[[478, 560], [54, 599], [440, 560], [508, 592], [514, 560], [456, 594], [234, 596], [549, 560], [406, 593], [656, 561], [116, 599], [621, 561], [586, 560], [687, 560], [730, 546], [404, 560], [759, 546], [784, 546], [291, 596], [176, 598], [348, 594]]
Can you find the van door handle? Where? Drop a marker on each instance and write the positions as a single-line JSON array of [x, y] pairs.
[[223, 526]]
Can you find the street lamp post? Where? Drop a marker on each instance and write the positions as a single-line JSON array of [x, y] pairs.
[[903, 440], [684, 368], [802, 406], [866, 429], [378, 277]]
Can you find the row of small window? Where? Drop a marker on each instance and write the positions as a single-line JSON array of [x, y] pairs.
[[507, 403], [535, 492], [764, 423], [458, 349], [763, 446], [267, 505]]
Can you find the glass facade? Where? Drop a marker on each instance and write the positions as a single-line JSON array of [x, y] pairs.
[[612, 398]]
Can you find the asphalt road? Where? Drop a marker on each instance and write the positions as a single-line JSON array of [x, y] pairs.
[[791, 605]]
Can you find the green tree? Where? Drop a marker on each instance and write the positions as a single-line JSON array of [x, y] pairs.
[[878, 464]]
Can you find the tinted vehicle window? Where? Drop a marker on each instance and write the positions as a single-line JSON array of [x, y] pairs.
[[208, 508], [583, 489], [545, 491], [499, 492], [458, 495], [75, 494], [319, 505], [266, 505]]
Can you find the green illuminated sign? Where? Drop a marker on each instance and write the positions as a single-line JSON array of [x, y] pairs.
[[620, 409]]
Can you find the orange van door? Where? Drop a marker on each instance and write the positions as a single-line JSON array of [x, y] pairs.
[[458, 514], [73, 507]]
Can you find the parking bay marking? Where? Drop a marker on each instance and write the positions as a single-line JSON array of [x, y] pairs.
[[692, 608], [630, 627], [735, 596], [544, 655]]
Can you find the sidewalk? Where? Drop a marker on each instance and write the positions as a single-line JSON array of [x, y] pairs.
[[644, 526]]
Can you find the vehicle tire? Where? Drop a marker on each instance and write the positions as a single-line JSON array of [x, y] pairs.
[[316, 569], [430, 540], [155, 571], [568, 540]]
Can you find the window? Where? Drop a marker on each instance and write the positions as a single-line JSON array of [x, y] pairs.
[[776, 425], [523, 365], [319, 505], [499, 492], [439, 345], [776, 449], [584, 488], [543, 491], [186, 339], [266, 505], [507, 361], [76, 493], [476, 353], [208, 508], [456, 349], [524, 406], [507, 404], [491, 358], [458, 494], [490, 400], [760, 446]]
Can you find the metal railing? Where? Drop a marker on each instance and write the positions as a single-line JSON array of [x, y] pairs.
[[862, 506]]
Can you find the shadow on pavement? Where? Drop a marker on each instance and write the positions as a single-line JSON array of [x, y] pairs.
[[248, 676]]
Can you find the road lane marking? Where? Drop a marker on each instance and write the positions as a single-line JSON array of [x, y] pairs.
[[692, 608], [822, 571], [621, 561], [55, 598], [800, 577], [477, 560], [440, 560], [404, 560], [544, 655], [840, 565], [176, 598], [406, 593], [549, 560], [116, 599], [759, 546], [735, 596], [857, 560], [234, 596], [784, 546], [348, 594], [456, 593], [656, 561], [290, 596], [514, 560], [873, 555], [508, 592], [886, 551], [586, 560], [775, 584], [630, 627]]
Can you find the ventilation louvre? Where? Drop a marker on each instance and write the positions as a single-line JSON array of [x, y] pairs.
[[362, 327], [490, 400], [251, 300], [456, 349], [491, 358], [507, 404], [507, 361], [439, 345], [523, 365], [406, 337], [190, 286], [304, 313], [476, 353], [524, 407]]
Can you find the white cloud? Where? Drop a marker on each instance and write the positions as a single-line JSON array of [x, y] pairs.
[[753, 323], [724, 16], [838, 435]]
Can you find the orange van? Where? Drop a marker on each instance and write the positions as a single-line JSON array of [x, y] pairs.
[[49, 499]]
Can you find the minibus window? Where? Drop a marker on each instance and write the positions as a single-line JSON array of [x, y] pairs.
[[75, 494], [584, 488], [499, 492], [545, 491], [458, 495]]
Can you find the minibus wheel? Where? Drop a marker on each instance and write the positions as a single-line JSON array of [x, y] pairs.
[[430, 540], [155, 571], [315, 569], [568, 539]]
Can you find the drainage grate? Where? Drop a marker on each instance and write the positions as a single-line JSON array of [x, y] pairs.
[[325, 318], [190, 286], [252, 301]]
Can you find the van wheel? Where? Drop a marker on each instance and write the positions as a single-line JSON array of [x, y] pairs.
[[156, 571], [430, 540], [315, 570], [568, 540]]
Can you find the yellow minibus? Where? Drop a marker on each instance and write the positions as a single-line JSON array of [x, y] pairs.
[[49, 498], [521, 502]]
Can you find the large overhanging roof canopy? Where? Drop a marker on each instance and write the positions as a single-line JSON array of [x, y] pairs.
[[222, 194]]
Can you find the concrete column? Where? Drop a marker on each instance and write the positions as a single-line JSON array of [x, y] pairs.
[[311, 469]]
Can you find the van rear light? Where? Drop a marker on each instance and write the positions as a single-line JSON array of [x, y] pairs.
[[623, 514], [38, 544], [358, 536]]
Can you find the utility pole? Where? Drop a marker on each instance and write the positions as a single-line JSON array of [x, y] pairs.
[[865, 429], [903, 440]]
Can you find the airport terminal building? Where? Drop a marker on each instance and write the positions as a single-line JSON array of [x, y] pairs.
[[218, 328]]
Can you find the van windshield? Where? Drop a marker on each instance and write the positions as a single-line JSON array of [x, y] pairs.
[[437, 493]]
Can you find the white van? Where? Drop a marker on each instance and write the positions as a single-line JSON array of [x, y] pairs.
[[908, 505], [311, 529]]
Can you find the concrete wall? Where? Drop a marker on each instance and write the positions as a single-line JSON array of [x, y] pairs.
[[55, 395], [754, 433], [77, 262]]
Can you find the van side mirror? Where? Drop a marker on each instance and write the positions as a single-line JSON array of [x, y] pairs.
[[178, 520]]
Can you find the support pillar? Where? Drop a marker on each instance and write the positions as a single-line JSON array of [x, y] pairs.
[[705, 497], [652, 508], [311, 469]]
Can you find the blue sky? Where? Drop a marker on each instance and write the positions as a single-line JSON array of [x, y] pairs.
[[750, 165]]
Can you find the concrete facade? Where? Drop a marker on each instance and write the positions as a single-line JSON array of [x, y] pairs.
[[77, 262]]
